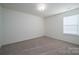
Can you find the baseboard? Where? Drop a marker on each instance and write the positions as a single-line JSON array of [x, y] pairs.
[[63, 40], [23, 40]]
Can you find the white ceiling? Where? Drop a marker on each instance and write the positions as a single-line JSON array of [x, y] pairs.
[[52, 8]]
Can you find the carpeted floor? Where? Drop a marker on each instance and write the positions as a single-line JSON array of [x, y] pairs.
[[41, 46]]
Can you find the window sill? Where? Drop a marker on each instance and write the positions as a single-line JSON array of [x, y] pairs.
[[70, 34]]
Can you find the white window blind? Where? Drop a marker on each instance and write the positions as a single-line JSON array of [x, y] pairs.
[[71, 24]]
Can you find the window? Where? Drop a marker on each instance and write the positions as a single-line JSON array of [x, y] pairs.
[[71, 24]]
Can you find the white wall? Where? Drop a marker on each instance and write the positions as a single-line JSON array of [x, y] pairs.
[[20, 26], [78, 26], [0, 26], [54, 27]]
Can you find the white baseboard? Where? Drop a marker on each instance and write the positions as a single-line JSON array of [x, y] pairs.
[[64, 40], [6, 43]]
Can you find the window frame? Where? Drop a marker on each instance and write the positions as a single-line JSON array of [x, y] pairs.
[[77, 30]]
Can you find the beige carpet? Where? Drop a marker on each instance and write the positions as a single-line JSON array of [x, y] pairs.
[[41, 46]]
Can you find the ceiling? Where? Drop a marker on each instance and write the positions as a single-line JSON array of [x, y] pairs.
[[51, 8]]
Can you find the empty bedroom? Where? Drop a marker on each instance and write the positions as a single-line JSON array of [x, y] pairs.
[[39, 28]]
